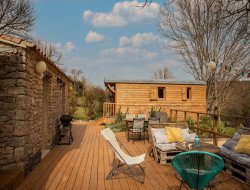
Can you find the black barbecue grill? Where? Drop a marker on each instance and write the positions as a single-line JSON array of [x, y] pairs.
[[65, 129], [65, 120]]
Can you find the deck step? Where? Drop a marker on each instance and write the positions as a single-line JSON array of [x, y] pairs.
[[11, 179]]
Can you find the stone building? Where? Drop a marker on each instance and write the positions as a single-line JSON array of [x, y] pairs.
[[31, 103]]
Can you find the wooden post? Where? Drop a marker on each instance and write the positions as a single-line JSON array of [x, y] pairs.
[[176, 116], [215, 122], [108, 109], [171, 114], [198, 123], [185, 116], [237, 123], [103, 111]]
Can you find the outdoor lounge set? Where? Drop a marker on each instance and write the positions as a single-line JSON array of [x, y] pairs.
[[195, 168], [173, 143]]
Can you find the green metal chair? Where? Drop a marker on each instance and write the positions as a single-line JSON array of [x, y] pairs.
[[197, 168]]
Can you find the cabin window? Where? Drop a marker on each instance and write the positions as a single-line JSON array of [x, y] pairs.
[[188, 93], [157, 93], [161, 92]]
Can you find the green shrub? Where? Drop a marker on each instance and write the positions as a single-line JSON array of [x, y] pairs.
[[80, 114], [119, 116], [116, 127], [152, 112], [119, 124], [191, 121], [222, 127]]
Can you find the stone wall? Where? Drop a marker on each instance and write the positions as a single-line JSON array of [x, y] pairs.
[[23, 132], [14, 102]]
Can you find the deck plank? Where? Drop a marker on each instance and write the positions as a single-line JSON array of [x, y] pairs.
[[36, 179], [80, 176], [74, 163], [76, 170], [87, 173], [107, 167], [87, 161], [56, 176], [100, 169], [93, 181]]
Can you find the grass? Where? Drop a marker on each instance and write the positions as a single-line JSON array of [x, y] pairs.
[[80, 114]]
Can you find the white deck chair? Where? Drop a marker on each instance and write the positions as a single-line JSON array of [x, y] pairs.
[[122, 158]]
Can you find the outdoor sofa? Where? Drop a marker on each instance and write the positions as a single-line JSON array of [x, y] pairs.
[[163, 151], [237, 164]]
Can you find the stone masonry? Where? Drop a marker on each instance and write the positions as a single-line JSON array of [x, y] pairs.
[[31, 105]]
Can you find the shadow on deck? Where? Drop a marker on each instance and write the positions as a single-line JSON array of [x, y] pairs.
[[86, 162]]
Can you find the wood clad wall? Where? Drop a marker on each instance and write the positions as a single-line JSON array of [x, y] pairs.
[[137, 98]]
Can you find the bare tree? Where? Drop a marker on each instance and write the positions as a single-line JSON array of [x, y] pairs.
[[200, 36], [162, 73], [239, 13], [16, 17], [145, 3], [240, 105], [50, 51]]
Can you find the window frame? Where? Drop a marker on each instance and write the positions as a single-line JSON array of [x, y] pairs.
[[164, 93], [188, 93]]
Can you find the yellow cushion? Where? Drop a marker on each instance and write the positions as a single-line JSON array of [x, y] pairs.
[[243, 146], [174, 134]]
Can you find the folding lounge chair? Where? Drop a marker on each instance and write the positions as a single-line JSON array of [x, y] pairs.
[[121, 159]]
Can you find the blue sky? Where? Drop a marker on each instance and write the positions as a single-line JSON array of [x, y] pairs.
[[107, 39]]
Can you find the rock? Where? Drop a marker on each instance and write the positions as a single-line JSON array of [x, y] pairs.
[[21, 115], [8, 83], [6, 128], [8, 150], [21, 128], [18, 75], [4, 118], [16, 141], [19, 153]]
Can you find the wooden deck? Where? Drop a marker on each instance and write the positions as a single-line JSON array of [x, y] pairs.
[[85, 163]]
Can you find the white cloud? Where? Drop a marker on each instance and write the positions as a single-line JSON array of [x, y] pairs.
[[143, 46], [125, 52], [122, 14], [151, 55], [87, 15], [69, 46], [93, 37], [66, 48], [140, 39]]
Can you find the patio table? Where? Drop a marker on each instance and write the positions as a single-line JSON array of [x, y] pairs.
[[203, 147], [129, 121]]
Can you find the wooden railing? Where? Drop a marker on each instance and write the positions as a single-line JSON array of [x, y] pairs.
[[108, 109], [235, 121]]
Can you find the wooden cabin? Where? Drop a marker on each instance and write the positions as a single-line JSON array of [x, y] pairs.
[[139, 96]]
